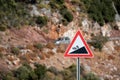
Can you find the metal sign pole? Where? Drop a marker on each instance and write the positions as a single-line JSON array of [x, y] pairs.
[[78, 68]]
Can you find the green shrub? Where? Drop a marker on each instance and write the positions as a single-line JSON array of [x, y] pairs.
[[2, 27], [66, 14], [25, 72], [99, 41], [67, 74], [49, 76], [7, 75], [22, 73], [41, 20], [65, 22], [60, 1], [28, 1], [15, 50], [98, 45], [38, 46], [70, 72], [1, 55], [40, 6], [72, 68], [100, 10], [53, 70], [91, 76], [32, 76], [75, 2], [40, 71], [117, 5], [56, 4], [27, 66]]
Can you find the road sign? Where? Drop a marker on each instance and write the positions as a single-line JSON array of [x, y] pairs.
[[78, 48]]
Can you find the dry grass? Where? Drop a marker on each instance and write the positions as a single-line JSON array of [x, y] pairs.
[[61, 48], [51, 53], [47, 55], [117, 48], [22, 59], [103, 59], [27, 57], [101, 55], [50, 45], [31, 47], [2, 49], [42, 56], [49, 76]]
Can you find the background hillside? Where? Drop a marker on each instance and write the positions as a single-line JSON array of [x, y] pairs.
[[16, 13], [29, 29]]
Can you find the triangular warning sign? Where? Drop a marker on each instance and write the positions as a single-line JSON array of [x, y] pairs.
[[78, 48]]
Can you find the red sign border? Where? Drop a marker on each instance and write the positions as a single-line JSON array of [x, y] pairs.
[[89, 55]]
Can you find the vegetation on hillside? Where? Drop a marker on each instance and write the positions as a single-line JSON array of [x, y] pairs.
[[13, 14], [41, 20], [60, 5], [99, 41], [16, 13], [101, 11], [117, 5], [40, 72]]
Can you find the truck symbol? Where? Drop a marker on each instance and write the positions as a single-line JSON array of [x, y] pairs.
[[75, 48]]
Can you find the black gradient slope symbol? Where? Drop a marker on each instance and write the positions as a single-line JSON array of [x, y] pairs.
[[81, 50]]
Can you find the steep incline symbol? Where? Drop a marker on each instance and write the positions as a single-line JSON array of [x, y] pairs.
[[80, 51]]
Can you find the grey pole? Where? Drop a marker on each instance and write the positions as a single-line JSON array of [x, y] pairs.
[[78, 68]]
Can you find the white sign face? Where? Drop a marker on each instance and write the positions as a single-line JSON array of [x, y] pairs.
[[76, 45]]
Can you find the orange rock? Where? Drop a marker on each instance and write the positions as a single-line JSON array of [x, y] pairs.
[[53, 35]]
